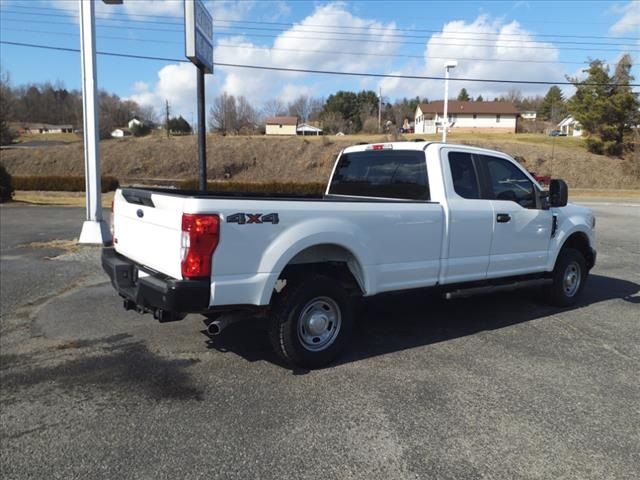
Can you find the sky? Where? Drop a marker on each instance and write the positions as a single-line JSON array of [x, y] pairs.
[[493, 40]]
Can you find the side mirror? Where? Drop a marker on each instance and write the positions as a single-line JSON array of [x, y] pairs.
[[558, 193]]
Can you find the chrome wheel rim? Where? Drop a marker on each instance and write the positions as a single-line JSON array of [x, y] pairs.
[[571, 279], [319, 323]]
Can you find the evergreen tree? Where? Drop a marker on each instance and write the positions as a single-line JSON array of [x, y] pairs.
[[553, 106], [479, 98], [463, 96], [605, 105]]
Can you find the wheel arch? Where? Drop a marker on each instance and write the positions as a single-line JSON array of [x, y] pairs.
[[329, 259], [578, 240]]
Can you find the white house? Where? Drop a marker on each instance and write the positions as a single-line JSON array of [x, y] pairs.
[[281, 126], [134, 122], [467, 116], [570, 127], [306, 129], [121, 133], [529, 115]]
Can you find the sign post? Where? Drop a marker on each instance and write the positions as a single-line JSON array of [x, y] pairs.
[[94, 229], [198, 28]]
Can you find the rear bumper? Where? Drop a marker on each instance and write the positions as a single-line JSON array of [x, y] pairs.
[[154, 293]]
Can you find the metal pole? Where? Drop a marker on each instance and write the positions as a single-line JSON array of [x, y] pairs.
[[202, 139], [446, 104], [94, 230], [379, 108]]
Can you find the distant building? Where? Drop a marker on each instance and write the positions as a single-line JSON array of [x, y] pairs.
[[570, 127], [134, 122], [306, 129], [45, 128], [466, 116], [529, 115], [281, 126], [121, 132]]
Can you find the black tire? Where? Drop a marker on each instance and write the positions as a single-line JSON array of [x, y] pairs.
[[569, 278], [313, 308]]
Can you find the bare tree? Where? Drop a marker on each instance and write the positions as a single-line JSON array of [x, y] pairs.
[[274, 108], [316, 105], [229, 114], [247, 117], [222, 115], [301, 107], [513, 96]]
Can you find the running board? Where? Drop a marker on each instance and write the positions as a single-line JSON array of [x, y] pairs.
[[469, 292]]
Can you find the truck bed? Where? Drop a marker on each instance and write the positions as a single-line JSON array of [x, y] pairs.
[[399, 241]]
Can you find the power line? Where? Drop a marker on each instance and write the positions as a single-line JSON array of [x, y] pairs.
[[306, 37], [424, 30], [333, 32], [298, 30], [312, 71], [301, 50], [367, 28]]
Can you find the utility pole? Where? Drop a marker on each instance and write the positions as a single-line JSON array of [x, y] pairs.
[[448, 65], [94, 229], [379, 108], [166, 116]]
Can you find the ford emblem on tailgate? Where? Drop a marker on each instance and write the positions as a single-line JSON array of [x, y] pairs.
[[140, 213]]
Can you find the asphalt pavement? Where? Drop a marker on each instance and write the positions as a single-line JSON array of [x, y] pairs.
[[501, 386]]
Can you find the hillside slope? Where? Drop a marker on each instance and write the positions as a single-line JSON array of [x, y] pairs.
[[294, 159]]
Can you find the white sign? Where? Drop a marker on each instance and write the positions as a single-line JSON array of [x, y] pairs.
[[198, 29]]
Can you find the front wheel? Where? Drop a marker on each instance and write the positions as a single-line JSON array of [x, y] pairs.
[[311, 322], [569, 278]]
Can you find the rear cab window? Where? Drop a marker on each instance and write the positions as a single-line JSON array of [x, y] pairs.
[[396, 174]]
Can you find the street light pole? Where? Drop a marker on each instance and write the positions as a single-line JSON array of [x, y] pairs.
[[447, 66], [94, 229]]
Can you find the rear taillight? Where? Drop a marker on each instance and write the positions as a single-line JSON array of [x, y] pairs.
[[200, 236]]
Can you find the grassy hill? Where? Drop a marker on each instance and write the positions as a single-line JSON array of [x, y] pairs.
[[303, 159]]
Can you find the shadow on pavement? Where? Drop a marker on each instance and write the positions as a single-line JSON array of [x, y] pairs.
[[119, 363], [394, 322]]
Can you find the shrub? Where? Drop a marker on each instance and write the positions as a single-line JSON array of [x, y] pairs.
[[61, 184], [613, 148], [252, 187], [6, 185], [594, 146], [140, 130]]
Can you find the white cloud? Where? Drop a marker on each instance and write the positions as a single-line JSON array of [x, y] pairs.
[[177, 85], [483, 49], [300, 47], [630, 20]]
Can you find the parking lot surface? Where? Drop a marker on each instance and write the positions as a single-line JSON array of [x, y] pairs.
[[500, 386]]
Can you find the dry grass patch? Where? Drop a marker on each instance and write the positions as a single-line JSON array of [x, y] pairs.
[[299, 159], [66, 245], [62, 199]]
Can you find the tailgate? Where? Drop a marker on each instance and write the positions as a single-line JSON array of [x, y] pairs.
[[148, 229]]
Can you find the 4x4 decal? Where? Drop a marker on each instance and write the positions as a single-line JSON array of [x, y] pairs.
[[258, 218]]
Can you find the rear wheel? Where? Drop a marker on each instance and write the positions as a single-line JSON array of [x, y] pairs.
[[569, 278], [311, 322]]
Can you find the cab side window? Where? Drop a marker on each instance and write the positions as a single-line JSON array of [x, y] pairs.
[[508, 182], [463, 174]]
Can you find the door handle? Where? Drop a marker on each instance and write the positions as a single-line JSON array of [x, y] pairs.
[[503, 217]]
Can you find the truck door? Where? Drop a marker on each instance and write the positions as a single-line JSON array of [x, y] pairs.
[[521, 228], [469, 222]]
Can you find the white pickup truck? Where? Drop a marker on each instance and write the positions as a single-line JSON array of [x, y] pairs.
[[395, 216]]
